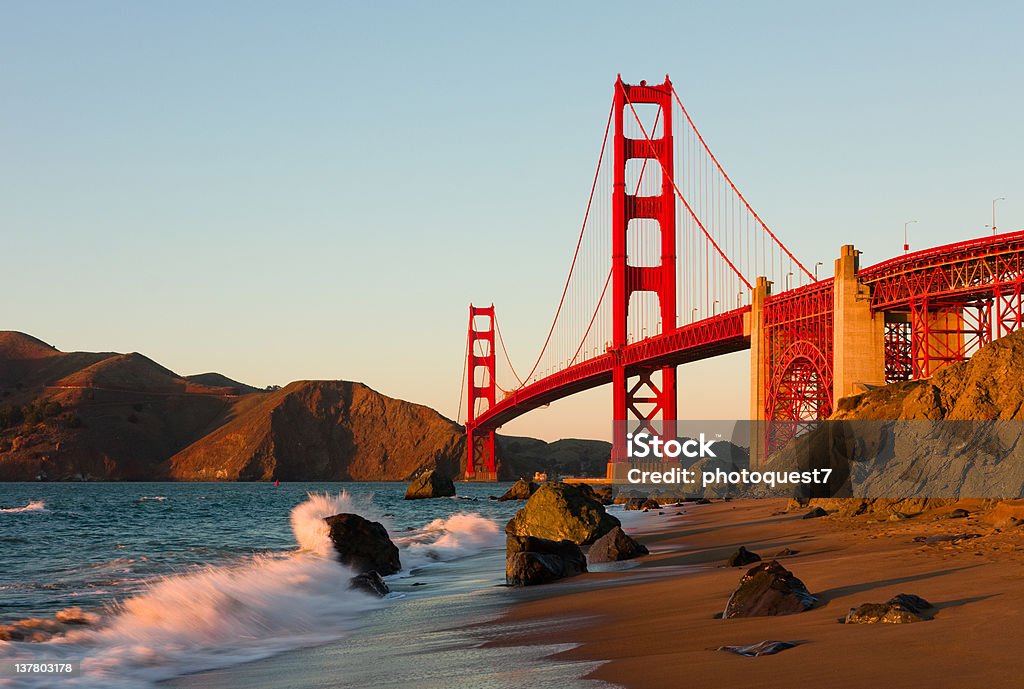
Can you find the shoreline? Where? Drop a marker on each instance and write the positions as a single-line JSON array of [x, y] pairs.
[[659, 630]]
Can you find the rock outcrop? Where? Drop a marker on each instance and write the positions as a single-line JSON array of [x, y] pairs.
[[363, 545], [560, 511], [768, 589], [530, 561], [520, 490], [432, 484], [614, 546]]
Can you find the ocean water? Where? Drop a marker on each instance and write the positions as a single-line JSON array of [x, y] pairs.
[[237, 582]]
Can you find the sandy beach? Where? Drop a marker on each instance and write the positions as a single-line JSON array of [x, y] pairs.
[[656, 626]]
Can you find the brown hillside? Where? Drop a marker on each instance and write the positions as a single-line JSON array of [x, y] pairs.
[[109, 416], [324, 430], [95, 415]]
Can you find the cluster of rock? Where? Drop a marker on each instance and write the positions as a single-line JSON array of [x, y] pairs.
[[769, 589], [544, 538]]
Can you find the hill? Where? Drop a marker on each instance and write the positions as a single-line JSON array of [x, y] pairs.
[[111, 416], [320, 431]]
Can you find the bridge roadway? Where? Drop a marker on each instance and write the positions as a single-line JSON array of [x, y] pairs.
[[973, 269]]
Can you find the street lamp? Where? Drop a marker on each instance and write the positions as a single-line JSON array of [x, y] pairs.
[[789, 280], [819, 263], [714, 308], [739, 299], [1001, 198], [693, 315], [906, 244]]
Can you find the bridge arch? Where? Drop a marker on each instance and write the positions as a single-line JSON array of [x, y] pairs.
[[799, 392]]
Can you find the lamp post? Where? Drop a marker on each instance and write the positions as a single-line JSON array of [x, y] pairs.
[[906, 243], [819, 263], [714, 308], [789, 280], [1001, 198], [693, 315]]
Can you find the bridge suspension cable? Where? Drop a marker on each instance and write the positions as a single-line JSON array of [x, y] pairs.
[[738, 193]]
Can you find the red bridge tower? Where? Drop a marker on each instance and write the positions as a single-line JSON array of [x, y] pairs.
[[640, 396], [480, 462]]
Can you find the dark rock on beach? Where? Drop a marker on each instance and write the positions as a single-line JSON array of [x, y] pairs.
[[530, 560], [764, 648], [641, 504], [742, 557], [768, 589], [560, 511], [363, 545], [370, 582], [520, 490], [815, 513], [431, 484], [614, 546], [902, 609]]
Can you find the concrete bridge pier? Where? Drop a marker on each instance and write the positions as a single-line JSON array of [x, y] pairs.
[[858, 335], [758, 372]]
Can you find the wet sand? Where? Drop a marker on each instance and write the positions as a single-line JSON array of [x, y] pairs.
[[655, 625]]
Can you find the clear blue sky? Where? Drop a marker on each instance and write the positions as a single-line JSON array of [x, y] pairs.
[[280, 191]]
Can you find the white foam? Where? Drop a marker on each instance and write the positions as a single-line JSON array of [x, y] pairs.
[[216, 616], [308, 523], [460, 535], [33, 506]]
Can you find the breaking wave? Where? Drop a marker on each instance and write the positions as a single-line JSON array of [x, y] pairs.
[[33, 506]]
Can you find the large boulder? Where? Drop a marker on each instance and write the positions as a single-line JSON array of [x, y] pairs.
[[560, 511], [431, 484], [520, 490], [530, 560], [363, 545], [614, 546], [768, 589]]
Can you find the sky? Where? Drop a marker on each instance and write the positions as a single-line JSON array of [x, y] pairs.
[[317, 190]]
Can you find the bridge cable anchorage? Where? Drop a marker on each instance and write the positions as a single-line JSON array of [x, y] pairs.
[[679, 194], [728, 179], [579, 243]]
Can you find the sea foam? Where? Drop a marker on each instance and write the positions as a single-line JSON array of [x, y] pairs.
[[215, 616], [33, 506]]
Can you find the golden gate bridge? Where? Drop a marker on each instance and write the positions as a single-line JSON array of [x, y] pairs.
[[673, 265]]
